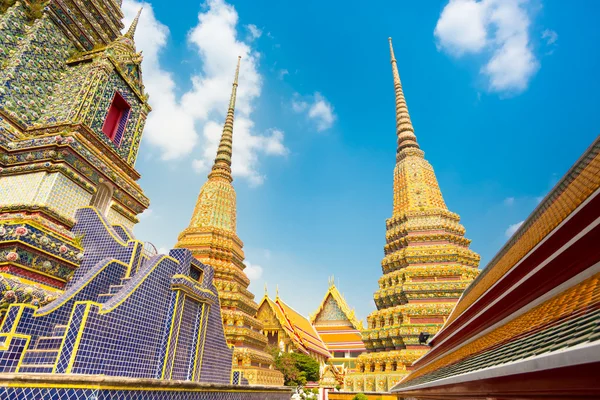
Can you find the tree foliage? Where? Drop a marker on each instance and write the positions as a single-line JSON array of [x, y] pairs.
[[297, 369], [360, 396]]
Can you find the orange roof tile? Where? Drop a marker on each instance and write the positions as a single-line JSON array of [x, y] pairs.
[[304, 329]]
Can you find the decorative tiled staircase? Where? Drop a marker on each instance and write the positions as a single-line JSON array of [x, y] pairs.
[[42, 357], [124, 313]]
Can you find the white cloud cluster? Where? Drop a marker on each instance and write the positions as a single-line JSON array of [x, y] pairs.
[[252, 271], [513, 228], [174, 124], [317, 109], [550, 36], [498, 26], [254, 31]]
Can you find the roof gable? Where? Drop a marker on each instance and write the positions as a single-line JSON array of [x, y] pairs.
[[334, 309]]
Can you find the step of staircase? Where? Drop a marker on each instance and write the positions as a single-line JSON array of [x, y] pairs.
[[36, 369], [48, 343], [40, 357], [125, 280], [59, 330], [104, 297], [114, 289]]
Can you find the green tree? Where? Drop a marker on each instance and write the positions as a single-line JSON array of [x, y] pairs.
[[296, 368], [308, 365], [360, 396]]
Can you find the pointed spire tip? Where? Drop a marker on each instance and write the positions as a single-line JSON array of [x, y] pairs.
[[131, 31]]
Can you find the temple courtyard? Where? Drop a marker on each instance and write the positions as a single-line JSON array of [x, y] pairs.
[[194, 197]]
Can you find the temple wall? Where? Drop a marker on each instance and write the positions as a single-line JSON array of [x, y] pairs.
[[107, 388], [213, 365], [65, 196], [34, 66], [20, 189], [52, 190]]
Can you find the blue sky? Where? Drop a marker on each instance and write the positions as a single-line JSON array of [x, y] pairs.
[[503, 95]]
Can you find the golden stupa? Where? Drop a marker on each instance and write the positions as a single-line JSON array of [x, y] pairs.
[[426, 267], [212, 238]]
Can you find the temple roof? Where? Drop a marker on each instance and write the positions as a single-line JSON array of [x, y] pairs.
[[298, 328], [333, 295], [123, 55], [537, 303]]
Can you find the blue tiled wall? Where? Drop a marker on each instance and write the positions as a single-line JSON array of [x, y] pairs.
[[124, 315], [101, 394]]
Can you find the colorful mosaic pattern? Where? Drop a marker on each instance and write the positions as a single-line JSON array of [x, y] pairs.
[[331, 312], [17, 393], [58, 75], [15, 291], [123, 315], [34, 67], [427, 265]]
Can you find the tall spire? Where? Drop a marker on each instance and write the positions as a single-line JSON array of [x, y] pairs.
[[131, 31], [222, 165], [404, 128]]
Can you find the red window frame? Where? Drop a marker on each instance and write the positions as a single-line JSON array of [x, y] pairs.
[[116, 118]]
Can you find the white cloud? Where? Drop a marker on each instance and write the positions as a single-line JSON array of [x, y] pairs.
[[254, 31], [550, 36], [299, 106], [174, 125], [509, 201], [461, 27], [499, 28], [317, 109], [253, 272], [513, 228], [283, 73]]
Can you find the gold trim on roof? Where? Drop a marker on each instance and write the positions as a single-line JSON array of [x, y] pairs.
[[342, 304]]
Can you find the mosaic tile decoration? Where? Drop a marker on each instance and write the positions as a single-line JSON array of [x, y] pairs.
[[58, 74], [123, 315], [104, 394]]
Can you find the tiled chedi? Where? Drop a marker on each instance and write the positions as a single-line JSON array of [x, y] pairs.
[[211, 236], [427, 265], [125, 313], [72, 111]]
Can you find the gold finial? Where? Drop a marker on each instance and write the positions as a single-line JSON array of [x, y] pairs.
[[235, 84], [266, 291], [131, 31], [331, 281], [404, 129], [277, 291], [222, 165]]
